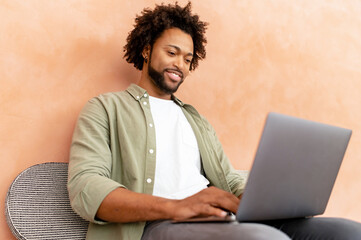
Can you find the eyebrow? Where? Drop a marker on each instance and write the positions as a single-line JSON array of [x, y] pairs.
[[178, 49]]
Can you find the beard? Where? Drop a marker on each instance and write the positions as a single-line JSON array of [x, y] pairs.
[[159, 81]]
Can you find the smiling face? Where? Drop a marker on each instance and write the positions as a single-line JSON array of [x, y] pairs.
[[169, 62]]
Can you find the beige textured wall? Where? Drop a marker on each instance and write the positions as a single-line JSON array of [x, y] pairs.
[[295, 57]]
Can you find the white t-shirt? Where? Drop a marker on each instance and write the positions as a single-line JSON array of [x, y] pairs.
[[178, 165]]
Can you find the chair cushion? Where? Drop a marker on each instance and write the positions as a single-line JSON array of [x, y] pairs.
[[38, 206]]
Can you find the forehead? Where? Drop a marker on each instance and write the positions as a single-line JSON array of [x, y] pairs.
[[175, 37]]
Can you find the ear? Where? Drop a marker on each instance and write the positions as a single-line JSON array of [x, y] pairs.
[[146, 53]]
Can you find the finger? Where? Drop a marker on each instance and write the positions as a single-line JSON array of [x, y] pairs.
[[226, 201], [214, 211], [220, 192], [227, 205], [233, 204], [218, 198]]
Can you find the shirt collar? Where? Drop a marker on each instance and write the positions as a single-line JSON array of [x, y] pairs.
[[138, 93], [177, 101]]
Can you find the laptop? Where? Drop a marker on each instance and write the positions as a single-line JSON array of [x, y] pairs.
[[293, 172]]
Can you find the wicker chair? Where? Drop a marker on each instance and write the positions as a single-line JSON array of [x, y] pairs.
[[37, 205]]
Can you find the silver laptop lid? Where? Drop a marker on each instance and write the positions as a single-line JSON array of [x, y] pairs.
[[294, 170]]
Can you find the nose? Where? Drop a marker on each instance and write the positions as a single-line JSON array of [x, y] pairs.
[[179, 63]]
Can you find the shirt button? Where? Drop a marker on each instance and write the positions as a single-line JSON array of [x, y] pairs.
[[151, 151], [150, 125], [145, 103], [137, 97], [149, 180], [145, 95]]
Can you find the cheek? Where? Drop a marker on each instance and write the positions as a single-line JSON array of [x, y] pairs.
[[158, 62], [186, 73]]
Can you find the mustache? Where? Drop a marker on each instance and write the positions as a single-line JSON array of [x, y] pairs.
[[175, 70]]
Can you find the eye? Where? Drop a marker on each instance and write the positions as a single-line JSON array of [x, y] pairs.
[[188, 61], [171, 53]]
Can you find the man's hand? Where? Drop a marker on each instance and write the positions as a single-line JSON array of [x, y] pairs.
[[122, 205], [211, 201]]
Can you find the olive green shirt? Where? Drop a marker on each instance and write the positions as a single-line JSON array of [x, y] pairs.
[[114, 146]]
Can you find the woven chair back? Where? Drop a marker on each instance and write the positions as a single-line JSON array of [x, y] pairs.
[[37, 205]]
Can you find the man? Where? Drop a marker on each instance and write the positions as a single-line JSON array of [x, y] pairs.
[[141, 157]]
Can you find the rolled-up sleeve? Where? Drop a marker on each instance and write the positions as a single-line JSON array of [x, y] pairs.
[[90, 162]]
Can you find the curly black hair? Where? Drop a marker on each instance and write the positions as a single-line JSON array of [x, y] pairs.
[[152, 23]]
